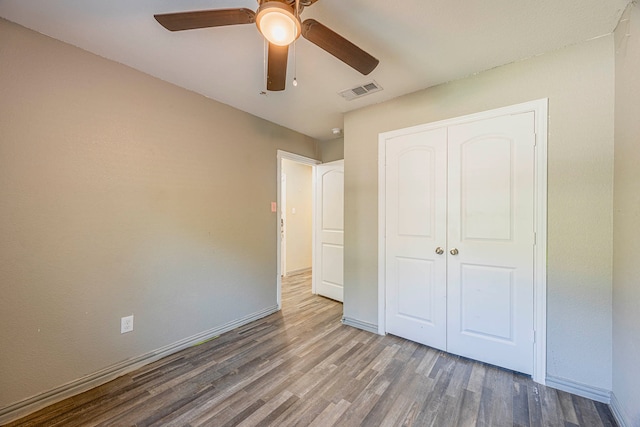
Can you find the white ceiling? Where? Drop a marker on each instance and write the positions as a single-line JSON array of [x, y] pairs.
[[420, 43]]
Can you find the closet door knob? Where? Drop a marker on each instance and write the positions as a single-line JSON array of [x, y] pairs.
[[453, 251], [439, 250]]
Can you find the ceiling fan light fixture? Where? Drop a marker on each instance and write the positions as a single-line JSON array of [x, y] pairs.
[[277, 23]]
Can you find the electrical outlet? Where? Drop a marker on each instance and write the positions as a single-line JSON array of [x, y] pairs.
[[126, 324]]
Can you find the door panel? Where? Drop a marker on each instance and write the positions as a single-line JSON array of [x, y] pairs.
[[329, 269], [415, 227], [490, 223], [413, 301], [487, 212], [332, 268], [486, 295], [416, 193]]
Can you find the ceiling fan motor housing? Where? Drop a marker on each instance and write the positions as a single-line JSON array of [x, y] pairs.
[[301, 3]]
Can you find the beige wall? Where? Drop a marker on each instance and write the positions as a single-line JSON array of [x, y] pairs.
[[579, 82], [299, 225], [626, 248], [332, 150], [122, 194]]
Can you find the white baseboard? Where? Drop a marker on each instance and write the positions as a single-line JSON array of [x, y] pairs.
[[621, 416], [42, 400], [298, 271], [369, 327], [584, 390]]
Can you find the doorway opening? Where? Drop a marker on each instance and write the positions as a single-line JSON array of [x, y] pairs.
[[295, 195], [296, 217], [310, 198]]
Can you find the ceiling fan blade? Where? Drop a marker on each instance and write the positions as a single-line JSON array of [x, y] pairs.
[[205, 18], [338, 46], [277, 67]]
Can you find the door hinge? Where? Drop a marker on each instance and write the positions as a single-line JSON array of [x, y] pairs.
[[535, 238], [533, 336]]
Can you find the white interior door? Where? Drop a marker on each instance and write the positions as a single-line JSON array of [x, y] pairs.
[[416, 220], [469, 190], [328, 269], [491, 241]]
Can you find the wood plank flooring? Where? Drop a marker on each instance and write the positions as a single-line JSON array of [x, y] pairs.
[[302, 367]]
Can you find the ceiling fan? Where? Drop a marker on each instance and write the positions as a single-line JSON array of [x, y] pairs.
[[279, 22]]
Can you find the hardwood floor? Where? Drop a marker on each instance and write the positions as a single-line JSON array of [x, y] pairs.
[[303, 367]]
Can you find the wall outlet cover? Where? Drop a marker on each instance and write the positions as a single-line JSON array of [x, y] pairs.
[[126, 324]]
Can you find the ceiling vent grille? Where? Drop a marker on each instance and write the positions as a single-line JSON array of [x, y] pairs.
[[360, 91]]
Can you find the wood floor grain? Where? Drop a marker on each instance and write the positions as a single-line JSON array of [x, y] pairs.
[[302, 367]]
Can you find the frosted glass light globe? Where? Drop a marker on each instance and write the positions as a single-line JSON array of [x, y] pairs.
[[277, 23]]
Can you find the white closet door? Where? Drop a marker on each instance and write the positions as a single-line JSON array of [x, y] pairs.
[[416, 227], [328, 270], [491, 241]]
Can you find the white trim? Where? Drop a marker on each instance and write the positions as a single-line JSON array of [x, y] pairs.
[[579, 389], [359, 324], [282, 207], [299, 159], [299, 271], [42, 400], [622, 417], [382, 232], [314, 185], [540, 109]]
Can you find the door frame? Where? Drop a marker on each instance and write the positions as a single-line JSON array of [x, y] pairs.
[[282, 205], [299, 159], [540, 109]]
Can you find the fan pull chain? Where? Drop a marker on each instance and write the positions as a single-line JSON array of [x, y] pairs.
[[295, 62], [295, 66], [264, 66]]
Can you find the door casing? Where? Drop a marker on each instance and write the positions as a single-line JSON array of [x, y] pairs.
[[539, 108], [282, 203]]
